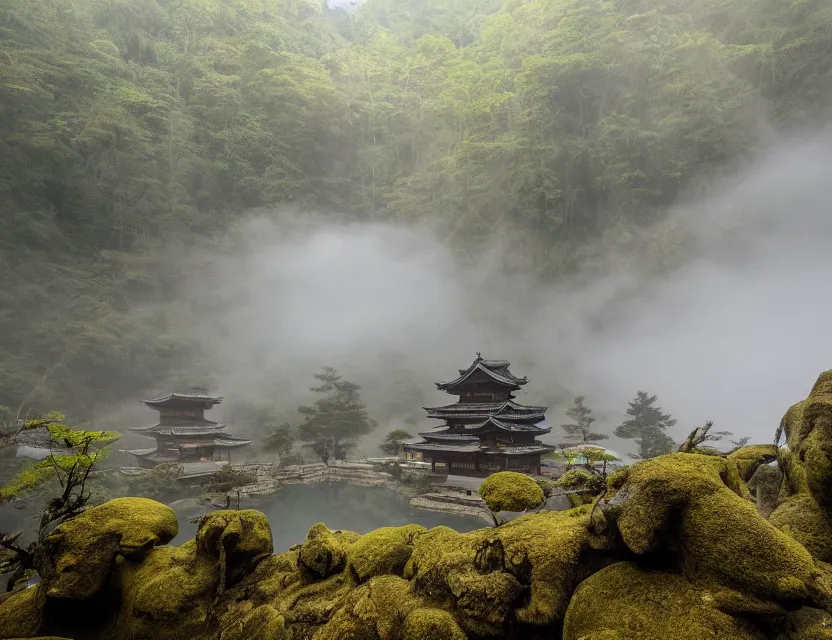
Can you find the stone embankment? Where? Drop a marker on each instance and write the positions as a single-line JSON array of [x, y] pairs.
[[452, 504], [270, 478]]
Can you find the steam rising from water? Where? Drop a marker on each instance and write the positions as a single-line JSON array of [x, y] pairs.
[[736, 334]]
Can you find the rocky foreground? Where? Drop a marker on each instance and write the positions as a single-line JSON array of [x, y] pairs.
[[684, 546]]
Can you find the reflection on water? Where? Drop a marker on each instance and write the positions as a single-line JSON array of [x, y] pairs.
[[295, 508]]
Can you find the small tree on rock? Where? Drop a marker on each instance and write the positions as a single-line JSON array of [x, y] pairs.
[[648, 425], [334, 422], [392, 442], [581, 428], [73, 455]]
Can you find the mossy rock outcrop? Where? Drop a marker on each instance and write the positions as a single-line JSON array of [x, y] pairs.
[[624, 601], [675, 546]]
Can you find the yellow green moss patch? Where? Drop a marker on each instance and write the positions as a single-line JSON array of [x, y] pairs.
[[80, 553], [237, 539], [375, 609], [629, 602], [511, 491], [802, 519], [431, 624], [169, 594], [750, 457], [262, 623], [382, 551], [20, 613], [323, 554]]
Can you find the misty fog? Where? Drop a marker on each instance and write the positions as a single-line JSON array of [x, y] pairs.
[[734, 334]]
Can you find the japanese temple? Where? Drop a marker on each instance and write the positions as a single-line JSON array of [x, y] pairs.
[[184, 434], [486, 430]]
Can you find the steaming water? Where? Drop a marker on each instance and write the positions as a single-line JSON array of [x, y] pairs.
[[295, 508]]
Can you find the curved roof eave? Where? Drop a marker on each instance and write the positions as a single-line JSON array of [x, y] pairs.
[[516, 383]]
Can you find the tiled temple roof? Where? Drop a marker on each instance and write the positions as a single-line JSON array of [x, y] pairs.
[[507, 409], [497, 370], [177, 398], [462, 447], [518, 450], [511, 427], [451, 437], [209, 428], [139, 453], [478, 447]]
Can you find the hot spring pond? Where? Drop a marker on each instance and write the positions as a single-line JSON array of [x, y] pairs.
[[295, 508]]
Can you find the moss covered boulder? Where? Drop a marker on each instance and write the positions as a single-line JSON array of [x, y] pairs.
[[80, 554], [625, 601], [691, 506], [510, 491]]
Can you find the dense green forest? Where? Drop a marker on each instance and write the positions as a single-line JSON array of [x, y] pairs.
[[129, 126]]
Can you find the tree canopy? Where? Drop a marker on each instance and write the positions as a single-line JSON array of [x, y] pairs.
[[564, 125], [581, 428], [392, 442], [334, 422], [648, 425]]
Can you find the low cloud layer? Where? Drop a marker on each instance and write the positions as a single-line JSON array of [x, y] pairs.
[[735, 334]]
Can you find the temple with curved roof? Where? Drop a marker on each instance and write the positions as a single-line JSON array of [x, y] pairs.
[[184, 434], [486, 430]]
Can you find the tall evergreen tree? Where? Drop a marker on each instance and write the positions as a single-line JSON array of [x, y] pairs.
[[648, 426], [581, 428], [334, 422]]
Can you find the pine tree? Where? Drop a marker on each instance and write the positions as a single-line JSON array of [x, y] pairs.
[[334, 422], [648, 426], [580, 429]]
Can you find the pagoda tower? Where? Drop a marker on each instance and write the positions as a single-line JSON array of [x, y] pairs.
[[184, 434], [486, 430]]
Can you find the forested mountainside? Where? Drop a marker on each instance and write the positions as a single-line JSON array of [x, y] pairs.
[[126, 125]]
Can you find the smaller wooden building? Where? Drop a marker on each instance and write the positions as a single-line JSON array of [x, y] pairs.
[[184, 434]]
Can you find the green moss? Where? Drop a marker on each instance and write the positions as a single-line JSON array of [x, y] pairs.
[[373, 610], [237, 539], [20, 613], [314, 604], [749, 458], [323, 554], [431, 624], [525, 569], [720, 536], [808, 427], [273, 576], [168, 595], [263, 623], [79, 554], [794, 474], [383, 551], [808, 624], [625, 601], [802, 519], [511, 491]]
